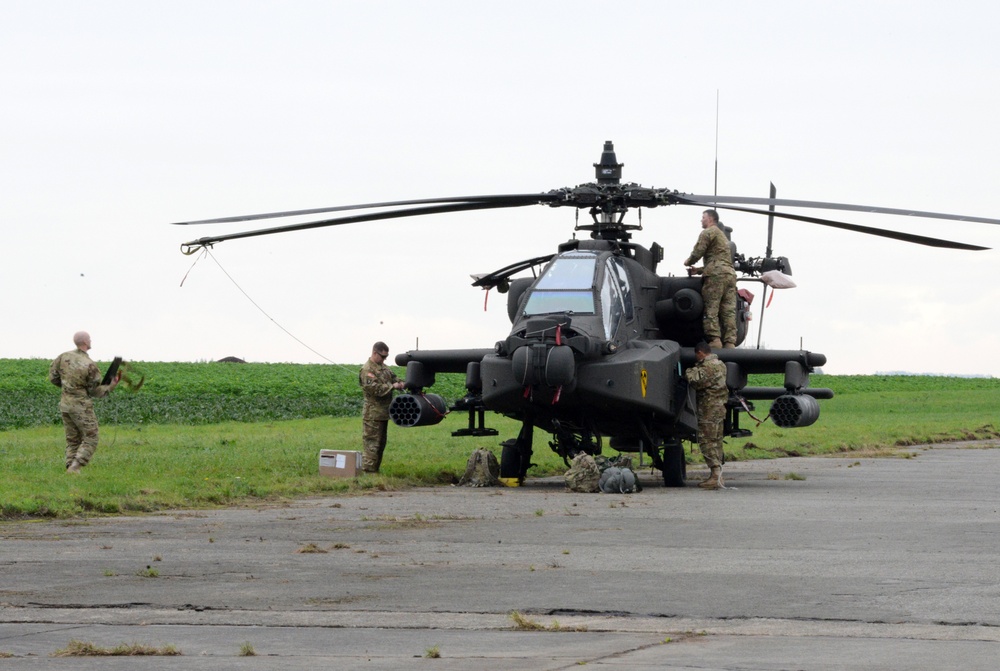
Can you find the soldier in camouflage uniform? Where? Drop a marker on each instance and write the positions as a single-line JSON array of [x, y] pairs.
[[708, 377], [718, 289], [377, 382], [80, 381]]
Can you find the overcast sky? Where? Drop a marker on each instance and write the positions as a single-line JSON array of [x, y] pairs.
[[121, 117]]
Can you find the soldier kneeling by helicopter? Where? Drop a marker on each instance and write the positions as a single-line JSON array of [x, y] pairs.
[[708, 377]]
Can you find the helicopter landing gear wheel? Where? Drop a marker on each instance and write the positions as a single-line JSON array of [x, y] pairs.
[[510, 461], [514, 463], [674, 465], [515, 458]]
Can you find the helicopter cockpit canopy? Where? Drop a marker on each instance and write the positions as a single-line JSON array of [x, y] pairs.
[[567, 285], [584, 283]]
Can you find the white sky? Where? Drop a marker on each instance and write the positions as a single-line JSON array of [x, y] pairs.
[[120, 117]]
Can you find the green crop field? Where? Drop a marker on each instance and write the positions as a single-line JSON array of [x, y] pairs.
[[195, 393], [204, 434]]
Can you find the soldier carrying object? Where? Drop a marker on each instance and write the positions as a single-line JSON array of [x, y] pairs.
[[708, 377], [718, 289], [80, 381], [378, 382]]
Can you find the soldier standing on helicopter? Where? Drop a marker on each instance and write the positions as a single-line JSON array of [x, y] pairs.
[[378, 382], [718, 289], [708, 377]]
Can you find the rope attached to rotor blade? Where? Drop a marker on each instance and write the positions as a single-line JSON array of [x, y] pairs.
[[205, 248], [193, 264], [273, 320]]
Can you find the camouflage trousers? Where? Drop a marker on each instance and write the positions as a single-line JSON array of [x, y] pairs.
[[81, 435], [373, 436], [719, 316], [710, 440]]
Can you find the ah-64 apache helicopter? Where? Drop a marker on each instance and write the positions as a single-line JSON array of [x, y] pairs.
[[599, 341]]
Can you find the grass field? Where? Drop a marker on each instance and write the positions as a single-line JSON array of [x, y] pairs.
[[209, 434]]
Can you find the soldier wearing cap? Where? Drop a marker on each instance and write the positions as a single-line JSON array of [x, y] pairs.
[[708, 377], [378, 382]]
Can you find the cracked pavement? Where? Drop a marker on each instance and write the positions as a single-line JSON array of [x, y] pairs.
[[864, 563]]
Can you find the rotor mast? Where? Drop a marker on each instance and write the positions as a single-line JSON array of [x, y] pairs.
[[609, 201], [609, 174]]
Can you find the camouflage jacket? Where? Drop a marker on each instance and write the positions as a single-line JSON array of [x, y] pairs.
[[713, 246], [708, 377], [376, 381], [79, 379]]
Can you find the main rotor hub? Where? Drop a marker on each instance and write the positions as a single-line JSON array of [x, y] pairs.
[[609, 170]]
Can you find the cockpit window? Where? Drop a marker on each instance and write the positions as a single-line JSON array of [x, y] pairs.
[[616, 269], [571, 271], [548, 302], [616, 297], [566, 286]]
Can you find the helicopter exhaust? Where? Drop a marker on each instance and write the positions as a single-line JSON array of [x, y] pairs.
[[417, 410]]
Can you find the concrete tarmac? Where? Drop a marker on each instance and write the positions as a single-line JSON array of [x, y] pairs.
[[818, 563]]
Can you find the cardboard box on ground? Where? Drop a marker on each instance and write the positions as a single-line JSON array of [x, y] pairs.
[[339, 463]]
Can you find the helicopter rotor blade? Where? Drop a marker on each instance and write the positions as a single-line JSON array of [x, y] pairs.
[[491, 279], [785, 202], [880, 232], [195, 245], [530, 198]]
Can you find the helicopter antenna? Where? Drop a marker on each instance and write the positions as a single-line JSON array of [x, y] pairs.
[[770, 221], [715, 192], [767, 255]]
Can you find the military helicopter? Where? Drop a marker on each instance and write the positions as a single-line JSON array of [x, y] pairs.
[[599, 341]]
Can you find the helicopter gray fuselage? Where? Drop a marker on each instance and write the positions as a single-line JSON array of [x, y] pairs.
[[580, 350], [605, 395], [598, 345]]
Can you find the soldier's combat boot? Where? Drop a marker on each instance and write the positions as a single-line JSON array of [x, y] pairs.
[[715, 343], [729, 345], [714, 480], [74, 467]]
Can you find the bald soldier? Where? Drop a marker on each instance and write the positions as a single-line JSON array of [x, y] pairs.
[[378, 382], [80, 381], [718, 289]]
